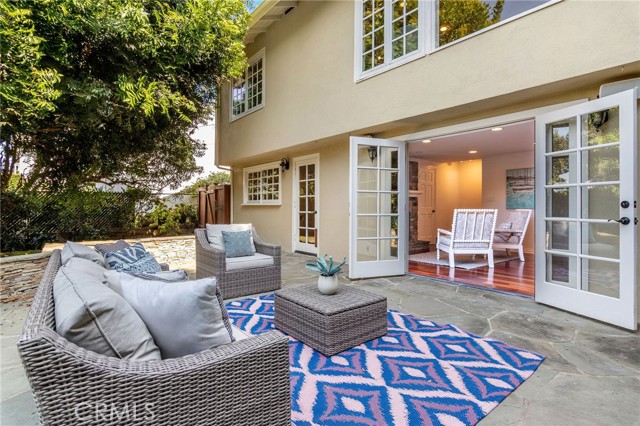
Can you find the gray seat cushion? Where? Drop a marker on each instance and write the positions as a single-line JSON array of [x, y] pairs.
[[258, 260], [71, 249], [94, 317], [183, 317]]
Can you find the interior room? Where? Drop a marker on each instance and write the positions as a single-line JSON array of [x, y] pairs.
[[489, 168]]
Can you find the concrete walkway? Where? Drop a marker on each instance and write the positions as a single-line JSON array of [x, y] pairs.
[[591, 375]]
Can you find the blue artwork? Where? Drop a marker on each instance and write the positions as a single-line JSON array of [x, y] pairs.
[[520, 188]]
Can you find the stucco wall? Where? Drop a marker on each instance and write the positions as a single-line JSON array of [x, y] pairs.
[[274, 223], [562, 52], [458, 186], [494, 194]]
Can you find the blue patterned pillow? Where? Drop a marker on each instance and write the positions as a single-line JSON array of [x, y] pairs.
[[132, 258], [146, 263], [237, 244]]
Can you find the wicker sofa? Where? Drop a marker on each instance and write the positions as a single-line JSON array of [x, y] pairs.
[[240, 282], [221, 386]]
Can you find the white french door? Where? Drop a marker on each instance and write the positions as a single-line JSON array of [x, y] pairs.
[[378, 195], [305, 204], [586, 197]]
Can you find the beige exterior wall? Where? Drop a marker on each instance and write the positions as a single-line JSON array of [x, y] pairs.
[[562, 52], [274, 223], [458, 186]]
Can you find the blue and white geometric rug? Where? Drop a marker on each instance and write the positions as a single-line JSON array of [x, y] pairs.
[[420, 373]]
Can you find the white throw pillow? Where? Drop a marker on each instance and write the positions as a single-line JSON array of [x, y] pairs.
[[94, 317], [71, 250], [214, 234], [183, 317]]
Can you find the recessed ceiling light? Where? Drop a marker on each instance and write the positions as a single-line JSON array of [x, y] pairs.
[[473, 152], [426, 141], [496, 129], [444, 28]]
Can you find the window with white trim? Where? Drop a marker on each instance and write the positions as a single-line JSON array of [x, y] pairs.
[[247, 92], [390, 31], [262, 184]]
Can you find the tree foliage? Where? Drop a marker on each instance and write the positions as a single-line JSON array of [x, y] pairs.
[[459, 18], [214, 178], [111, 91]]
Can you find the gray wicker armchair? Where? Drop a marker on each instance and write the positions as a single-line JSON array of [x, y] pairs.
[[240, 282], [221, 386]]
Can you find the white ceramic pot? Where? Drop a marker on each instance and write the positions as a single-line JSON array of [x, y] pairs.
[[328, 285]]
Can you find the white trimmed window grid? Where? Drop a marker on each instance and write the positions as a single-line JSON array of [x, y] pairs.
[[247, 93], [400, 19], [263, 185]]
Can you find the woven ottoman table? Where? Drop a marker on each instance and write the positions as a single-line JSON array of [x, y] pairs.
[[330, 324]]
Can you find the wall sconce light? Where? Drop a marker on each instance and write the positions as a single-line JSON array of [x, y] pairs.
[[599, 118], [284, 164], [373, 153]]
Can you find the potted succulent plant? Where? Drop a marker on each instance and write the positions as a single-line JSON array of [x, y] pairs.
[[328, 279]]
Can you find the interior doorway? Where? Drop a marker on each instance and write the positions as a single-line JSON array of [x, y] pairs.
[[487, 168]]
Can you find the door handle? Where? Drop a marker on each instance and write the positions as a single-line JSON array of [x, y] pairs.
[[621, 221]]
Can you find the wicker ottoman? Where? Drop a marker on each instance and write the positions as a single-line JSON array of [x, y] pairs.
[[330, 324]]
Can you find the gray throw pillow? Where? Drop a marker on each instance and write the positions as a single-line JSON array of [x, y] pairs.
[[113, 277], [94, 317], [237, 244], [72, 249], [183, 317]]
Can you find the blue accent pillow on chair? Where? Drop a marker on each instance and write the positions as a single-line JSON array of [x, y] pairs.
[[237, 244]]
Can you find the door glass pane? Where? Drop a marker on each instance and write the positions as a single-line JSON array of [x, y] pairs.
[[311, 187], [302, 204], [561, 135], [388, 249], [600, 202], [303, 220], [561, 236], [311, 236], [562, 202], [601, 164], [311, 220], [302, 235], [601, 277], [367, 179], [302, 190], [311, 204], [388, 180], [388, 157], [365, 153], [388, 203], [601, 239], [311, 171], [367, 250], [388, 226], [561, 169], [303, 172], [561, 270], [601, 127], [367, 226], [367, 203]]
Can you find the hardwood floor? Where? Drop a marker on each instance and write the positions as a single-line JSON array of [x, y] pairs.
[[511, 276]]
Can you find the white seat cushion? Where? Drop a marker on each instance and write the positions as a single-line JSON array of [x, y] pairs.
[[258, 260], [446, 241], [238, 334]]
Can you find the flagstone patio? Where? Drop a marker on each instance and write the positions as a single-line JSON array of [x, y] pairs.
[[591, 374]]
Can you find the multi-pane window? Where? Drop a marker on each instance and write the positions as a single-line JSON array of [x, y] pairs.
[[390, 31], [262, 184], [247, 92]]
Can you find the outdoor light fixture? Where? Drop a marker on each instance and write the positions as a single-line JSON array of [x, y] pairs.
[[284, 164], [373, 153], [598, 118]]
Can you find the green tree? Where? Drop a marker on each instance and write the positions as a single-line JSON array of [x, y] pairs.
[[110, 91], [215, 178], [459, 18]]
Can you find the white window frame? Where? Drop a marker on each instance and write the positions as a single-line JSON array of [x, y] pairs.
[[425, 8], [428, 24], [245, 185], [255, 58]]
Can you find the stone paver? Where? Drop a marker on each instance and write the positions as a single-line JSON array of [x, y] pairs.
[[591, 375]]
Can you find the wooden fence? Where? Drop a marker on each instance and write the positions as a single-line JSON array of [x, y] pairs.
[[214, 205]]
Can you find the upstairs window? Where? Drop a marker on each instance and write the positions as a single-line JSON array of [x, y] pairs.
[[247, 92], [390, 32]]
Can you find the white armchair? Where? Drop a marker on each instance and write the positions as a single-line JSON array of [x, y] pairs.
[[472, 232], [511, 236]]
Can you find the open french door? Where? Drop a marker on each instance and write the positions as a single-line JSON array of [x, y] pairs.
[[378, 195], [586, 214]]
